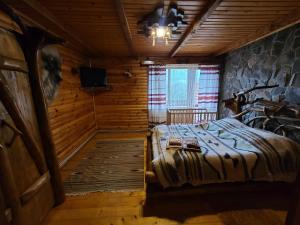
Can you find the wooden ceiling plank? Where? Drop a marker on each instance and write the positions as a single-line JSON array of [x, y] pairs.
[[32, 22], [68, 34], [250, 12], [125, 25], [277, 25], [255, 8], [200, 18], [260, 3]]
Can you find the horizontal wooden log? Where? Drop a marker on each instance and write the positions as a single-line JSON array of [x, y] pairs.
[[150, 177], [27, 195], [7, 63]]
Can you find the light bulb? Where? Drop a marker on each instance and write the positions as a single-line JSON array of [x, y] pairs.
[[161, 31], [168, 34]]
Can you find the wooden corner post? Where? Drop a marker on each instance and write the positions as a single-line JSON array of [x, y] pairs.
[[34, 40]]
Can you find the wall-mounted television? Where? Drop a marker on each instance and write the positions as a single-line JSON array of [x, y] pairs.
[[93, 77]]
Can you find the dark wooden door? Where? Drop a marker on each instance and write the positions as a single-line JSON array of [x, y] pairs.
[[26, 194]]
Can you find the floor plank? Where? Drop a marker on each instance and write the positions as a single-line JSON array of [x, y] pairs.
[[124, 208], [116, 208]]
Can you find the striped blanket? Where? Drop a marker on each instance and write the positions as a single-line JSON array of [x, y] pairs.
[[229, 152]]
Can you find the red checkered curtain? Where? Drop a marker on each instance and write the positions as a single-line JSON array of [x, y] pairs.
[[157, 94], [208, 94]]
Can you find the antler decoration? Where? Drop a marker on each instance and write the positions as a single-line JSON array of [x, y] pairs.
[[284, 117], [268, 111], [239, 99]]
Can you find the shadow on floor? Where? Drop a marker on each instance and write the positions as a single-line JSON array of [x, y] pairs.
[[242, 207]]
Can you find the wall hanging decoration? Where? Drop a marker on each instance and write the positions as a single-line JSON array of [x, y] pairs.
[[50, 69]]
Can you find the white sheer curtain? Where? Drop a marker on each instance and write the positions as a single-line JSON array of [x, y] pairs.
[[157, 94]]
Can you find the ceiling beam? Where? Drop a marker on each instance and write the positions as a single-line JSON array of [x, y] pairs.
[[125, 26], [46, 19], [198, 21], [277, 25]]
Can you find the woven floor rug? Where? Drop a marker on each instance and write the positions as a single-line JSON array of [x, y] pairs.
[[116, 165]]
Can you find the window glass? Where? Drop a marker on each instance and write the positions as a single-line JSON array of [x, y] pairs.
[[192, 87], [178, 87]]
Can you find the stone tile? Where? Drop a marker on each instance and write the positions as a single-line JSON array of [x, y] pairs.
[[272, 60]]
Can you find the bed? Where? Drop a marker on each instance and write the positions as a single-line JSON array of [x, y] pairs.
[[229, 152]]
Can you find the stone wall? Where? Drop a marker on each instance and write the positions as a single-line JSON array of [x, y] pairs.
[[272, 60]]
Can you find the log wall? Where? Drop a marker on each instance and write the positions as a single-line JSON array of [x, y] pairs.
[[124, 107], [71, 114]]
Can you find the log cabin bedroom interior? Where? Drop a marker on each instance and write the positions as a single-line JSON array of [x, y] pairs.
[[149, 112]]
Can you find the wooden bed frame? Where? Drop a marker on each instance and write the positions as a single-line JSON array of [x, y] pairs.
[[154, 188], [211, 198], [271, 111]]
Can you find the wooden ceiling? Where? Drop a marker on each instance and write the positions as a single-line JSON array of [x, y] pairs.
[[109, 27]]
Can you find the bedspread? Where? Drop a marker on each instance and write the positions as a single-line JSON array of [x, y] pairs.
[[229, 152]]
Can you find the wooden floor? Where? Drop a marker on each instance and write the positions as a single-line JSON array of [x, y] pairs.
[[114, 208]]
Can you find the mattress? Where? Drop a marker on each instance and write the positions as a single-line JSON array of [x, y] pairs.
[[229, 152]]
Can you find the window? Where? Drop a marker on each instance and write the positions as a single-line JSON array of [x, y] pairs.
[[192, 86], [182, 87]]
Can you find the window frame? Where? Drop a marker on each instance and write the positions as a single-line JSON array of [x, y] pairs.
[[169, 67]]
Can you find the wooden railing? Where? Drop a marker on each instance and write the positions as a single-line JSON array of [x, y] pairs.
[[189, 116]]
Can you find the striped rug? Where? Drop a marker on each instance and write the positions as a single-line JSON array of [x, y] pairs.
[[116, 165]]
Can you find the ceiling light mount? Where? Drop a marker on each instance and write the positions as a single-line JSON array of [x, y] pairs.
[[163, 32], [161, 24]]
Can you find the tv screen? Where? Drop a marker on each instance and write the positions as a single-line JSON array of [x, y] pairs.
[[93, 77]]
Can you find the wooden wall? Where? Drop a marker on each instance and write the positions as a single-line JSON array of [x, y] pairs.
[[125, 106], [71, 114]]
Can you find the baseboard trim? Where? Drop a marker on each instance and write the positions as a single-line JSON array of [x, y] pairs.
[[122, 131], [62, 163]]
